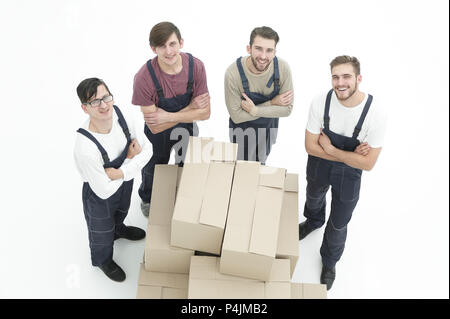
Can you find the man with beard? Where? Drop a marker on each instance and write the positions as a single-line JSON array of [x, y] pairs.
[[258, 90], [172, 92], [344, 136]]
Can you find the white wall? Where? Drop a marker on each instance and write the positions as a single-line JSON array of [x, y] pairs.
[[398, 238]]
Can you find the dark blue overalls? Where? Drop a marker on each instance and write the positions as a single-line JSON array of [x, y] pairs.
[[162, 142], [255, 138], [105, 217], [345, 183]]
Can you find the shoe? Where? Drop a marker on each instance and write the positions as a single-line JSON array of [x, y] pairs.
[[113, 271], [327, 276], [130, 233], [145, 208], [304, 230]]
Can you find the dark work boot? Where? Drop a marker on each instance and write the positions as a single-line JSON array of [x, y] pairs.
[[327, 276], [130, 233], [113, 271], [304, 230]]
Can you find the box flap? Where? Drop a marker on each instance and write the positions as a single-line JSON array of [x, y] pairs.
[[190, 193], [242, 206], [264, 235], [291, 183], [224, 152], [199, 150], [217, 194], [288, 232], [163, 194], [272, 176], [161, 279]]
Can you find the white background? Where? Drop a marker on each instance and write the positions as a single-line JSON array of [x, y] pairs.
[[397, 244]]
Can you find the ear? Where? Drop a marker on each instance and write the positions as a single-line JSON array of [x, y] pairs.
[[181, 43], [359, 78], [153, 49], [84, 108], [249, 50]]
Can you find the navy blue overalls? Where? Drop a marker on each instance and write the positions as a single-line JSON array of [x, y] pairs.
[[345, 183], [162, 142], [255, 143], [105, 217]]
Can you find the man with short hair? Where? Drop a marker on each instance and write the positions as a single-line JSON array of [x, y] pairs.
[[108, 155], [258, 90], [172, 92], [343, 137]]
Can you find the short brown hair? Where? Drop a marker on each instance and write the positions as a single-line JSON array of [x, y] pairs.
[[161, 32], [343, 59], [266, 33], [88, 89]]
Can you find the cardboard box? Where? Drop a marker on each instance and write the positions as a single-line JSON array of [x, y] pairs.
[[203, 196], [288, 242], [206, 282], [308, 291], [251, 235], [159, 285], [159, 255]]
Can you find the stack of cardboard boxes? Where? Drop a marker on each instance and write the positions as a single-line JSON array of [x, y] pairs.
[[240, 213]]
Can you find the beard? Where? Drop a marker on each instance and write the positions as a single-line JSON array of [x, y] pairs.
[[351, 91], [255, 64]]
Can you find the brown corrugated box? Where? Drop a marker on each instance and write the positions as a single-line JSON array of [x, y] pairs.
[[206, 282], [288, 235], [308, 291], [159, 254], [159, 285], [251, 235], [201, 206]]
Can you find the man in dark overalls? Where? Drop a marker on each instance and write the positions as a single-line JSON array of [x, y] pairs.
[[344, 135], [258, 90], [172, 92], [109, 152]]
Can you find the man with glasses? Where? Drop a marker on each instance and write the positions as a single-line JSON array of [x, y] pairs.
[[108, 155], [258, 90], [172, 92]]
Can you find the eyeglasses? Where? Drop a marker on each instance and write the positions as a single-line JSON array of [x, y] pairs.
[[97, 102]]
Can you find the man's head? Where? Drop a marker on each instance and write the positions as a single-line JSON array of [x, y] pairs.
[[345, 76], [262, 47], [166, 42], [96, 99]]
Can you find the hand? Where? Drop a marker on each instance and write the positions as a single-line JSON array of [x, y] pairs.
[[201, 101], [114, 173], [363, 149], [133, 149], [325, 142], [248, 105], [158, 117], [284, 99]]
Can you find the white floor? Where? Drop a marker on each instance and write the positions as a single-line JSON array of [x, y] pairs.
[[398, 238]]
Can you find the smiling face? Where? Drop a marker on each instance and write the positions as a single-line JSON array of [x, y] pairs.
[[169, 53], [344, 80], [104, 111], [261, 53]]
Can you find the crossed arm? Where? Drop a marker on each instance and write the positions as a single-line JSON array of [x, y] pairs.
[[158, 120], [364, 157]]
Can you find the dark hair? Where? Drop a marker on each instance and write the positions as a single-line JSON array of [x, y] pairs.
[[88, 88], [161, 32], [343, 59], [266, 33]]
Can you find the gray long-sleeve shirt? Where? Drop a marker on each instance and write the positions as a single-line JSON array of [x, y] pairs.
[[257, 83]]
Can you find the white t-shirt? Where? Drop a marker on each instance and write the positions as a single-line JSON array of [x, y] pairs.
[[343, 119], [89, 161]]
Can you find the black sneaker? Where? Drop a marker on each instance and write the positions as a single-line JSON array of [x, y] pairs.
[[113, 271], [327, 276], [304, 230], [130, 233]]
